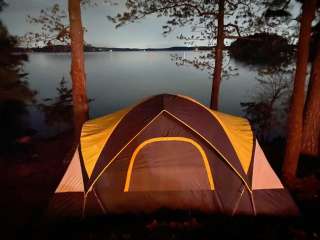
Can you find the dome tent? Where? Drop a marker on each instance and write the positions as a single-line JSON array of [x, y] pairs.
[[171, 152]]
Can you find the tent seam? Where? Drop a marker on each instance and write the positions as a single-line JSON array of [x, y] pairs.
[[99, 201], [253, 205], [223, 157], [106, 167], [219, 201], [218, 120], [84, 204], [238, 202], [113, 129]]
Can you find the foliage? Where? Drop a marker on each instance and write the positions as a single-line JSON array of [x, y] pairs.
[[12, 85], [58, 111], [14, 91], [54, 25], [200, 15], [242, 18], [277, 9], [262, 48], [267, 108], [203, 60]]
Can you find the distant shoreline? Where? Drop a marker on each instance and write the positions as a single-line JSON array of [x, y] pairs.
[[64, 48]]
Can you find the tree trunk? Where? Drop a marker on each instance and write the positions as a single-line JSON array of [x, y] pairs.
[[80, 101], [311, 127], [295, 118], [218, 58]]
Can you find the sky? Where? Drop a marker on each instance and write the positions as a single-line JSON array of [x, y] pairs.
[[100, 31]]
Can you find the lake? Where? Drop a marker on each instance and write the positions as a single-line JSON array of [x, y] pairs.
[[119, 79]]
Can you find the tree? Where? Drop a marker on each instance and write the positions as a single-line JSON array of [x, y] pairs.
[[55, 29], [295, 120], [269, 101], [232, 17], [218, 58], [263, 49], [311, 123], [15, 93], [311, 117], [79, 95]]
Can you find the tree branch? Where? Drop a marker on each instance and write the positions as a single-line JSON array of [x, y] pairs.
[[285, 5], [233, 5], [200, 13], [235, 27]]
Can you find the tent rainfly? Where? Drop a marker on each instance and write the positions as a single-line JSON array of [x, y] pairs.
[[171, 152]]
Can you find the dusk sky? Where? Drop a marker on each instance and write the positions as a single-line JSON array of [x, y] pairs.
[[101, 32]]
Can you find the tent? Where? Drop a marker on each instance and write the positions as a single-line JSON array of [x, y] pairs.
[[170, 152]]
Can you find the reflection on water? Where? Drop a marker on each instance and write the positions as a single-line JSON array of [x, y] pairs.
[[204, 61], [119, 79]]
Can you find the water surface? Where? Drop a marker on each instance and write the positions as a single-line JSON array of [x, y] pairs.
[[119, 79]]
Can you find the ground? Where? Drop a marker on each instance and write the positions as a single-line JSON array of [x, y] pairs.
[[31, 175]]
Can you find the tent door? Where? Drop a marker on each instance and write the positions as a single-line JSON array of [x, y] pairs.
[[169, 164]]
